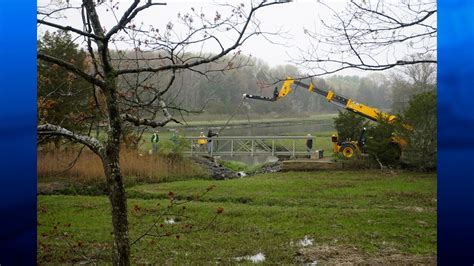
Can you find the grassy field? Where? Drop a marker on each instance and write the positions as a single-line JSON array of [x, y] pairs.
[[321, 140], [360, 216]]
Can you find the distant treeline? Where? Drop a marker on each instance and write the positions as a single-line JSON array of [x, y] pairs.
[[215, 89]]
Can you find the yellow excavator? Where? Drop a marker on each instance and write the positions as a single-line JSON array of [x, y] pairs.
[[348, 147]]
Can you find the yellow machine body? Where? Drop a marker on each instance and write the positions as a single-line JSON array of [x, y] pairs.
[[285, 88], [351, 148], [347, 148]]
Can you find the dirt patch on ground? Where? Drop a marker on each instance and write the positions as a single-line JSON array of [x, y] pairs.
[[350, 255], [49, 187]]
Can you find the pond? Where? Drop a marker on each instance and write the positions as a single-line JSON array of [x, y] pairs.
[[266, 129]]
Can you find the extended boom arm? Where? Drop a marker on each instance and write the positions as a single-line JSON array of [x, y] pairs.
[[347, 103]]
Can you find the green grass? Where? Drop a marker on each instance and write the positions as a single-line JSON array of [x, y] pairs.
[[321, 141], [238, 166], [372, 211]]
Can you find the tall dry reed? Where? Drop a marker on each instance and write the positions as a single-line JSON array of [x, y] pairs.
[[55, 164]]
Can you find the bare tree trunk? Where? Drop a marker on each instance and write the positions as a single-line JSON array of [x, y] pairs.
[[118, 201], [111, 162]]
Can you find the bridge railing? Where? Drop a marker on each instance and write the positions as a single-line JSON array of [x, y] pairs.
[[249, 145]]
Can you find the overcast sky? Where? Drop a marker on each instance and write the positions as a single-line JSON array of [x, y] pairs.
[[290, 18]]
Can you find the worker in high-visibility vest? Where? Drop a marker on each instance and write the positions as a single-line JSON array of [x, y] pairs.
[[155, 138]]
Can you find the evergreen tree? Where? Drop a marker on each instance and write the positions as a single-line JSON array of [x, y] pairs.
[[349, 125], [421, 132], [63, 98]]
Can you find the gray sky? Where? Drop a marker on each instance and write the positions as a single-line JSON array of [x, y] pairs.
[[290, 18]]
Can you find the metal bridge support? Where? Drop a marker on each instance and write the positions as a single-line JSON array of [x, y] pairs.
[[273, 147], [252, 145], [294, 147]]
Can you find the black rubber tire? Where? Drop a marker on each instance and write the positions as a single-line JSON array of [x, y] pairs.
[[348, 150]]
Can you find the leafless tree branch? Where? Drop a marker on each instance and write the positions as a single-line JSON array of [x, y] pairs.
[[69, 28], [359, 36], [72, 68], [131, 12], [54, 130]]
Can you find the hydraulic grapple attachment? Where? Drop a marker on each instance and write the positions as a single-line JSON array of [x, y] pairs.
[[285, 89]]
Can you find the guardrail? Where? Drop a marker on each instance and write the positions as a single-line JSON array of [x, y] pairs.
[[249, 145]]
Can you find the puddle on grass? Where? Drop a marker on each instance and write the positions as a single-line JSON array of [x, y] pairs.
[[170, 221], [259, 257], [306, 241], [241, 174]]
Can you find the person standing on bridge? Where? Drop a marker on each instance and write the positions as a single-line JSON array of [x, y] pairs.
[[309, 144], [210, 147], [202, 141]]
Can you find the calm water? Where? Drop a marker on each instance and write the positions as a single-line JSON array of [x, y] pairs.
[[266, 129]]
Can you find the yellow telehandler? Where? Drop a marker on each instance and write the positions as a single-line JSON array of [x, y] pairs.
[[348, 148]]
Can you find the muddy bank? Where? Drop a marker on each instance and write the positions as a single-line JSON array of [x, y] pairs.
[[215, 169], [350, 255], [218, 172]]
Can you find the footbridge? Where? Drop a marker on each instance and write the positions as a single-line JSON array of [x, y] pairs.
[[250, 145]]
